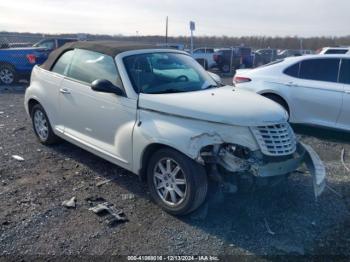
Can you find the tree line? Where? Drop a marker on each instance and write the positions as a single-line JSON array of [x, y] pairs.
[[256, 42]]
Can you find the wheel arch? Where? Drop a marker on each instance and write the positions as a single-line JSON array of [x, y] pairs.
[[31, 103], [147, 154], [274, 94], [3, 63]]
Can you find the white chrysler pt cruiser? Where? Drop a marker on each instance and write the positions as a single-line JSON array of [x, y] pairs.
[[159, 114]]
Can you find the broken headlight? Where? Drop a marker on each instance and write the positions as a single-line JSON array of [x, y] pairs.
[[235, 150]]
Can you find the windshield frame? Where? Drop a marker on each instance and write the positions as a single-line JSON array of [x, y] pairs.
[[211, 83]]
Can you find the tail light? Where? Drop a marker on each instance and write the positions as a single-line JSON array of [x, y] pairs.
[[31, 58], [241, 79]]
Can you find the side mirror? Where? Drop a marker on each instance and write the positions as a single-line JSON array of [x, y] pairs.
[[105, 86], [216, 78]]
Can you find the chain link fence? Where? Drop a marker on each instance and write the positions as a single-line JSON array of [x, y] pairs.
[[19, 53], [226, 60]]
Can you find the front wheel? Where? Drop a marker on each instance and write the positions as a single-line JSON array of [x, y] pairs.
[[177, 183]]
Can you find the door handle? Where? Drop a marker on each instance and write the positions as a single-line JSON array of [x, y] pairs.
[[64, 91], [291, 84]]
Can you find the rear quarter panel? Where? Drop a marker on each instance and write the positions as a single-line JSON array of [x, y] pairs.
[[44, 88]]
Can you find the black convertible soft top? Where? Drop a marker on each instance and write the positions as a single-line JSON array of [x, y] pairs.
[[111, 48]]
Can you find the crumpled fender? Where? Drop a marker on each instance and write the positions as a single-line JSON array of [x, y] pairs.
[[184, 134]]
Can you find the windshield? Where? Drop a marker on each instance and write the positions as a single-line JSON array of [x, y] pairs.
[[157, 73]]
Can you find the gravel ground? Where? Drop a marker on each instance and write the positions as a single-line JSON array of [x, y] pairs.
[[33, 221]]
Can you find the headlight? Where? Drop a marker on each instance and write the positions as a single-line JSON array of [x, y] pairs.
[[236, 150]]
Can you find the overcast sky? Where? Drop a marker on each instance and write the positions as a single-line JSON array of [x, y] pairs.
[[220, 17]]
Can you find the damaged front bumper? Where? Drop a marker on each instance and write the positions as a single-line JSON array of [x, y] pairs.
[[259, 166], [304, 155]]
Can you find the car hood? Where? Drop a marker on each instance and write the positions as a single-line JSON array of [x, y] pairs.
[[222, 105]]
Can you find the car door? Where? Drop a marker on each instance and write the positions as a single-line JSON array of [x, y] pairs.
[[344, 78], [53, 81], [102, 122], [316, 95]]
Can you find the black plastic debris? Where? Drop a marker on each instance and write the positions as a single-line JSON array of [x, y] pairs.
[[115, 216]]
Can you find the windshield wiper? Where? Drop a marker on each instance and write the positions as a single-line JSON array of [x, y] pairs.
[[210, 86], [166, 91]]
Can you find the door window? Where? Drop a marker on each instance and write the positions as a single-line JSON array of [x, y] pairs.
[[344, 76], [88, 66], [293, 70], [49, 44], [320, 69], [62, 64]]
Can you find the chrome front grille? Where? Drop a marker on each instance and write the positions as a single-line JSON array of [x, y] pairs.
[[275, 140]]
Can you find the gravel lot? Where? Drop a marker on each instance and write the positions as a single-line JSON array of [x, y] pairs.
[[33, 221]]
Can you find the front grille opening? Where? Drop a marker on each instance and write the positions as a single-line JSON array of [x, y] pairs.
[[276, 140]]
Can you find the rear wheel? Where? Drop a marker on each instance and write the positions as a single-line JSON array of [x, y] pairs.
[[177, 183], [279, 100], [42, 126], [7, 75]]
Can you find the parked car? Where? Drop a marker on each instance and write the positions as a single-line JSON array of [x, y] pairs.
[[151, 111], [313, 89], [240, 56], [205, 56], [334, 50], [17, 63], [307, 52], [264, 56], [176, 46], [289, 52], [53, 43]]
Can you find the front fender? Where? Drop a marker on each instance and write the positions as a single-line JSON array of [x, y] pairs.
[[186, 135]]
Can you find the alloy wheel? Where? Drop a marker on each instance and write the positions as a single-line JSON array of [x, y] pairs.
[[170, 182], [41, 125], [6, 76]]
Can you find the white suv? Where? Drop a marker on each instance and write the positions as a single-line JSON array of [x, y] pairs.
[[159, 114], [334, 51], [313, 89]]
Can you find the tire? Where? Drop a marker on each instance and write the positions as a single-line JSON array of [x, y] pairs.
[[279, 100], [8, 75], [192, 177], [44, 134]]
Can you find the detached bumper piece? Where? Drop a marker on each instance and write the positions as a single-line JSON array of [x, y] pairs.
[[259, 166], [317, 170], [304, 154]]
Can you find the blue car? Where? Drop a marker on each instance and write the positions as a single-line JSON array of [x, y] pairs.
[[17, 63]]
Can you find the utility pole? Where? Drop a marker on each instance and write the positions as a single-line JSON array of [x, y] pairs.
[[192, 28], [166, 31]]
